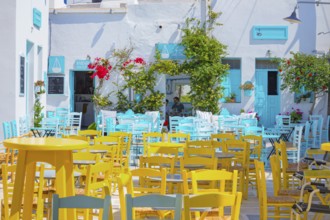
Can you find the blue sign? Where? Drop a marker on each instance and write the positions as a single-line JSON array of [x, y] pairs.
[[81, 64], [270, 32], [56, 64], [36, 18], [171, 51]]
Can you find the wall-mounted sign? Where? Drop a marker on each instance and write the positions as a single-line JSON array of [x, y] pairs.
[[171, 51], [22, 76], [81, 64], [36, 18], [270, 32], [55, 85], [56, 64]]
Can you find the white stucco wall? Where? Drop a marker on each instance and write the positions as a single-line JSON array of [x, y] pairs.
[[17, 18], [76, 35]]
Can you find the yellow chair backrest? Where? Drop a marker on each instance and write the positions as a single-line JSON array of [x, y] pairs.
[[212, 200], [151, 137], [77, 137], [218, 140], [8, 179], [178, 137], [94, 183], [90, 133], [126, 145], [255, 144], [193, 163], [220, 179], [241, 151], [276, 173], [158, 162], [208, 152], [113, 144], [261, 184], [125, 184]]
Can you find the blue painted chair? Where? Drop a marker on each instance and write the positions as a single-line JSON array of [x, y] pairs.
[[319, 120], [14, 132], [325, 131], [51, 123], [82, 202], [162, 202], [50, 114], [24, 125], [174, 122], [110, 125], [7, 131]]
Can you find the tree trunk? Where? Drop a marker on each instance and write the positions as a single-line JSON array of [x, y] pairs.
[[313, 104]]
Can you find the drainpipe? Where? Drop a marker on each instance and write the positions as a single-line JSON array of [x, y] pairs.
[[204, 11]]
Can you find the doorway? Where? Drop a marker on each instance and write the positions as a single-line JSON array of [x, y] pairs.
[[267, 92], [83, 89]]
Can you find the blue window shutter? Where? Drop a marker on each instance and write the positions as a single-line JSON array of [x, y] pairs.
[[226, 87], [235, 76]]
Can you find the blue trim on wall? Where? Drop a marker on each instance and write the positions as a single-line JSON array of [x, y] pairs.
[[270, 32], [82, 65], [171, 51], [56, 64], [37, 18]]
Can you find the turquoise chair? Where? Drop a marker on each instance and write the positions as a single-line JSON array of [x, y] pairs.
[[14, 132], [174, 122], [82, 202], [7, 131], [110, 125], [163, 202]]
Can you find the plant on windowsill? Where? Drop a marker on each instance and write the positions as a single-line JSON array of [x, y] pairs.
[[247, 86], [231, 98]]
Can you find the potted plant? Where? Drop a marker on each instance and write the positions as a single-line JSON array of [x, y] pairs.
[[247, 87], [231, 98]]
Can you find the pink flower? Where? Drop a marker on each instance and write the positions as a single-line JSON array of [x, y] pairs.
[[140, 60]]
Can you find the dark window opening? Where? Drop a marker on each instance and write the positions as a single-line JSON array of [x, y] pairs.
[[272, 83]]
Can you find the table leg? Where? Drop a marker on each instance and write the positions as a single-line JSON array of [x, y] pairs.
[[64, 178], [18, 186], [29, 190], [273, 148]]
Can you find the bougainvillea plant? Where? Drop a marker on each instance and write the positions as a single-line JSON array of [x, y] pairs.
[[101, 68], [308, 72]]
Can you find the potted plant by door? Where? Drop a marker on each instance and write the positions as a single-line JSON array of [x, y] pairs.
[[247, 87]]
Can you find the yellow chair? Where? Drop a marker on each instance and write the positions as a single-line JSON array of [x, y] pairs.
[[127, 140], [288, 169], [178, 137], [77, 137], [90, 133], [281, 204], [213, 200], [97, 183], [8, 179], [143, 187], [158, 162], [200, 149], [207, 181], [151, 137], [277, 183], [240, 162], [81, 160], [255, 145], [195, 163]]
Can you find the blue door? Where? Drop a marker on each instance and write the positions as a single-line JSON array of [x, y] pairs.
[[267, 96]]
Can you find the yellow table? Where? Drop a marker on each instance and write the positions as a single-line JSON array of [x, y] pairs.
[[165, 148], [325, 146], [55, 151]]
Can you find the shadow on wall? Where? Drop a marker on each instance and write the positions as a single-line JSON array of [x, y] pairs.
[[306, 31], [97, 36]]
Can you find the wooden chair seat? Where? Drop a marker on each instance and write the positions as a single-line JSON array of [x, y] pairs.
[[301, 165], [236, 167], [289, 192], [280, 199]]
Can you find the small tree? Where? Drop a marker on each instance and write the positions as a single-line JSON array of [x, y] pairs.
[[305, 71]]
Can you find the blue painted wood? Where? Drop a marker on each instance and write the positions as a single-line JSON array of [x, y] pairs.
[[171, 51], [13, 126], [267, 106], [37, 18], [81, 64], [154, 201], [56, 64], [231, 84], [83, 202], [298, 97], [71, 81], [270, 32], [7, 133]]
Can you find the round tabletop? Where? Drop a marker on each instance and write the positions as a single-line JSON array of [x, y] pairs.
[[45, 144], [325, 146], [166, 144]]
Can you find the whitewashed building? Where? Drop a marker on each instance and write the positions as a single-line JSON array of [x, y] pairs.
[[24, 53], [254, 32]]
